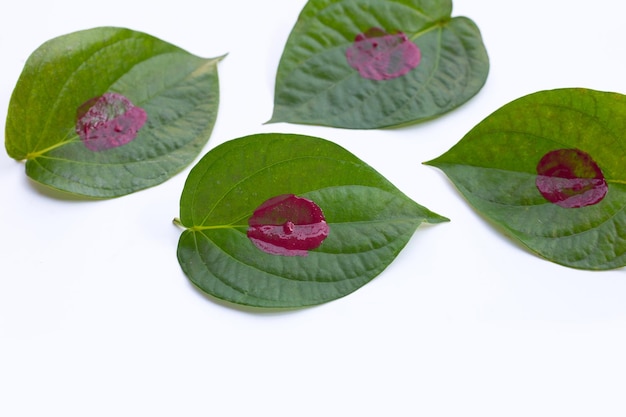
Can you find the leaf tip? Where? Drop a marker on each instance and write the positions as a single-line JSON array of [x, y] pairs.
[[432, 162], [276, 118], [431, 217], [437, 218]]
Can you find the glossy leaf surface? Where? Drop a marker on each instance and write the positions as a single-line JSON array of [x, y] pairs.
[[178, 92], [369, 221], [549, 169], [371, 63]]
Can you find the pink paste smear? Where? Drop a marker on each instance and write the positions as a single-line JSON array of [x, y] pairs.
[[108, 121], [287, 225], [378, 55], [570, 178]]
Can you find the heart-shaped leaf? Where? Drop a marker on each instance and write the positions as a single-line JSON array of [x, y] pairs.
[[372, 63], [549, 168], [108, 111], [276, 220]]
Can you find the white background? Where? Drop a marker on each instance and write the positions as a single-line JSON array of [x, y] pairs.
[[97, 319]]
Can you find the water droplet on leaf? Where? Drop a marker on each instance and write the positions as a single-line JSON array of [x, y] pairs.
[[570, 178], [287, 225], [378, 55], [108, 121]]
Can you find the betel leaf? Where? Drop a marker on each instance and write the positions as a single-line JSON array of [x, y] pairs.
[[246, 199], [549, 169], [108, 111], [375, 63]]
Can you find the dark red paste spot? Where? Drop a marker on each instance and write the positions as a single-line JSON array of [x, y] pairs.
[[287, 225], [378, 55], [108, 121], [570, 179]]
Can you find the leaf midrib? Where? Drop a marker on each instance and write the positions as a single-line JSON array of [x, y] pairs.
[[200, 228]]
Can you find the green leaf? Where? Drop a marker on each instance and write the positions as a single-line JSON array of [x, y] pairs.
[[549, 169], [315, 83], [178, 91], [369, 221]]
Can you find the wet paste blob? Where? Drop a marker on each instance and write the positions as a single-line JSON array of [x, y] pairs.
[[378, 55], [570, 178], [287, 225], [108, 121]]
